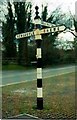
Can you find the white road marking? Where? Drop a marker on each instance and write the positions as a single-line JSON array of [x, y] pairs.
[[34, 79], [31, 72]]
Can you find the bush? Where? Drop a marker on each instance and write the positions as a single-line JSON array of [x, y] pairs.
[[5, 62]]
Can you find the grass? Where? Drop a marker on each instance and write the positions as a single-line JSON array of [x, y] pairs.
[[20, 67], [58, 95], [14, 67]]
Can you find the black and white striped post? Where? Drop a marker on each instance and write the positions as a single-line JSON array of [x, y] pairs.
[[37, 33], [39, 61]]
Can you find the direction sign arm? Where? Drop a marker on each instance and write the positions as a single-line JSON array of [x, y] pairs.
[[53, 29], [43, 23], [23, 35]]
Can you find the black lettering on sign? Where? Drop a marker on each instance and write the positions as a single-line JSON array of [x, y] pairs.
[[29, 34], [58, 28], [21, 35], [47, 30], [50, 29], [33, 33], [54, 29], [44, 30]]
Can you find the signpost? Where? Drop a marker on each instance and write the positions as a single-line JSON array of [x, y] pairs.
[[42, 31], [37, 34]]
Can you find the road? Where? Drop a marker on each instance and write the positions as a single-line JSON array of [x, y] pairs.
[[18, 76]]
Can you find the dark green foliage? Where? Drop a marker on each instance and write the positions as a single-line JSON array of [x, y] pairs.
[[23, 25], [44, 14], [8, 34], [20, 14], [49, 50], [32, 53]]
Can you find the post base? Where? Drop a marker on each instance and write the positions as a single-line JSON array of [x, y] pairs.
[[39, 103]]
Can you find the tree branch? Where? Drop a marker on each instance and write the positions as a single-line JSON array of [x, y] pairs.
[[72, 31]]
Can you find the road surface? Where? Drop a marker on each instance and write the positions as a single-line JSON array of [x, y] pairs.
[[18, 76]]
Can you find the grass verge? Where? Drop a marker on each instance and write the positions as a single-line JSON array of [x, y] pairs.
[[15, 67], [58, 95]]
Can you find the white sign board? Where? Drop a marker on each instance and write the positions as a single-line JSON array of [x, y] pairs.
[[39, 32]]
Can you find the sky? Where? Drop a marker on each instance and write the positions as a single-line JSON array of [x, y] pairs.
[[52, 4], [66, 5], [66, 36]]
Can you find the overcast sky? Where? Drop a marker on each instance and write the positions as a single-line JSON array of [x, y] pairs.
[[66, 5]]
